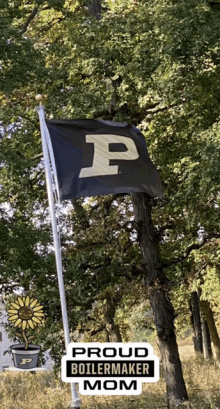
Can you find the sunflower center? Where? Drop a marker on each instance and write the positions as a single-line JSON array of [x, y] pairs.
[[25, 313]]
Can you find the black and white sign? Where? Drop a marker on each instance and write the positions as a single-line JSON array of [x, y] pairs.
[[110, 368]]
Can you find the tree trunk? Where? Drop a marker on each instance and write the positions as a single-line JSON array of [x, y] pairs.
[[158, 290], [94, 8], [107, 336], [207, 347], [212, 328], [192, 323], [112, 328], [197, 327], [163, 311]]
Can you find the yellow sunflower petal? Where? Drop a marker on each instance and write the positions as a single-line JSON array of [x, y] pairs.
[[20, 302], [31, 324], [38, 314], [12, 311], [13, 317], [16, 306], [38, 318], [19, 326], [31, 300], [33, 303], [18, 322], [27, 326], [35, 319], [24, 324], [23, 300], [38, 308], [27, 301]]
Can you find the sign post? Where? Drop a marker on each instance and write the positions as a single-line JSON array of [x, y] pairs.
[[49, 161]]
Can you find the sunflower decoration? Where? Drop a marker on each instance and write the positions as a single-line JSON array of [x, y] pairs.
[[25, 313]]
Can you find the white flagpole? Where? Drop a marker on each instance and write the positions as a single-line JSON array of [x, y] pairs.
[[48, 155]]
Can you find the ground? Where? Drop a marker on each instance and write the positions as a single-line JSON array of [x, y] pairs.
[[42, 391]]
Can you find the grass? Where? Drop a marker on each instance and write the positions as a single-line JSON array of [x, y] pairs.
[[42, 391]]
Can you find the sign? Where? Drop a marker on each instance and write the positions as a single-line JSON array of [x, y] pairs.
[[110, 368]]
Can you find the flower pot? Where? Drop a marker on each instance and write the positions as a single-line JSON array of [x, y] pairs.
[[25, 358]]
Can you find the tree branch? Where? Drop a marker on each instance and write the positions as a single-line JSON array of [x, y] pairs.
[[87, 245], [161, 109], [52, 24], [89, 300], [29, 19], [107, 203], [194, 246]]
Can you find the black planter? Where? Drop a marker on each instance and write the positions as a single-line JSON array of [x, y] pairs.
[[25, 358]]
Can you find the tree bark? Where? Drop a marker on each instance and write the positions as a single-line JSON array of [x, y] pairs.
[[163, 311], [94, 8], [112, 329], [207, 347], [192, 322], [197, 327], [212, 328]]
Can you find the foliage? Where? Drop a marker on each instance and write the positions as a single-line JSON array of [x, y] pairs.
[[155, 64], [141, 323]]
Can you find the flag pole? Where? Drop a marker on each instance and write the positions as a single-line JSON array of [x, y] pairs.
[[48, 157]]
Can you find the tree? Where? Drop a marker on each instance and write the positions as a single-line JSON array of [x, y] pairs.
[[163, 311], [212, 328], [206, 339], [196, 320]]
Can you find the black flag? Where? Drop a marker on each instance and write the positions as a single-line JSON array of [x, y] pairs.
[[95, 157]]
